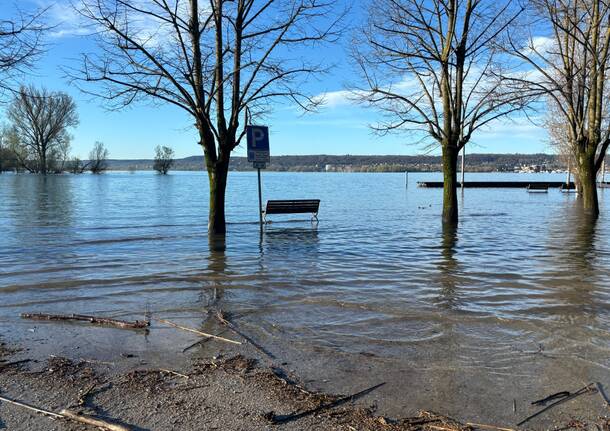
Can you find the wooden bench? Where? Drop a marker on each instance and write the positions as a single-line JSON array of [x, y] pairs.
[[298, 206], [539, 188]]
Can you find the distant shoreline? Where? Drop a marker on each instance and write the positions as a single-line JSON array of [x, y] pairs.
[[351, 163]]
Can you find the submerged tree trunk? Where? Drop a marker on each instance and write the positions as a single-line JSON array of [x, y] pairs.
[[450, 201], [217, 174], [43, 163], [587, 175]]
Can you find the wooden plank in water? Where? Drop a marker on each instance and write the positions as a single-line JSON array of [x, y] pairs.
[[497, 184]]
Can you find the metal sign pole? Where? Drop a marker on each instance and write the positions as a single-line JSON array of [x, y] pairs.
[[260, 200]]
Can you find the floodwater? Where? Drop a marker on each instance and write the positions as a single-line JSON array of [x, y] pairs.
[[511, 305]]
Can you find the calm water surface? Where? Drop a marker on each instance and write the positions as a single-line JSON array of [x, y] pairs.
[[376, 278]]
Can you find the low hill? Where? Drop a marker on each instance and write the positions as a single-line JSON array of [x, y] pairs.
[[349, 163]]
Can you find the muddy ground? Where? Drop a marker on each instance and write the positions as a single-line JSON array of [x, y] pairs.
[[232, 393], [228, 391]]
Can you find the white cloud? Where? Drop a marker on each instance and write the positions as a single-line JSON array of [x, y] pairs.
[[340, 98], [541, 45], [67, 21], [333, 99], [516, 127], [64, 19]]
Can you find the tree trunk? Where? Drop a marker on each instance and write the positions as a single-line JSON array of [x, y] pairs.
[[587, 176], [450, 201], [43, 164], [217, 174]]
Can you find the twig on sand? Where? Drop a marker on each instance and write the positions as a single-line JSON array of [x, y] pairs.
[[295, 416], [94, 421], [602, 394], [450, 424], [279, 374], [196, 343], [32, 408], [200, 342], [579, 392], [67, 414], [552, 397], [91, 319], [12, 364], [223, 320], [184, 376], [96, 362], [490, 427], [82, 399], [195, 331]]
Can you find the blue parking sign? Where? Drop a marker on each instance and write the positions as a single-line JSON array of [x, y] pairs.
[[258, 143]]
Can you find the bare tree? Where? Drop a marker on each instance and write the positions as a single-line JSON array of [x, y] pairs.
[[432, 68], [98, 158], [20, 45], [40, 121], [220, 61], [77, 166], [7, 156], [164, 159], [570, 63]]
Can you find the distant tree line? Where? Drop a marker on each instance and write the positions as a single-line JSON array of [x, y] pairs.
[[367, 163], [415, 163]]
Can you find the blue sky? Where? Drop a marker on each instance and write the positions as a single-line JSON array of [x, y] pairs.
[[340, 127]]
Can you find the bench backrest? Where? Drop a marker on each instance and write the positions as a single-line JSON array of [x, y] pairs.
[[293, 206]]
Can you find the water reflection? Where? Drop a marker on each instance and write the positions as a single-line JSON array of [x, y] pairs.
[[39, 200], [291, 242], [572, 268], [448, 266], [580, 241], [216, 270]]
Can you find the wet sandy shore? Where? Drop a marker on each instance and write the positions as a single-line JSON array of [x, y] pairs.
[[238, 387]]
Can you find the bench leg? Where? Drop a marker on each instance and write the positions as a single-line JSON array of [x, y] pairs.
[[315, 217]]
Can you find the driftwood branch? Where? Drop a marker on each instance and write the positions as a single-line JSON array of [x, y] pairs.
[[32, 408], [489, 427], [91, 319], [67, 414], [220, 316], [82, 399], [13, 363], [571, 396], [174, 373], [195, 331], [94, 421]]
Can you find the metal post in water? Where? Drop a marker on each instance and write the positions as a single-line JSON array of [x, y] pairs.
[[463, 156], [260, 200], [406, 179]]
